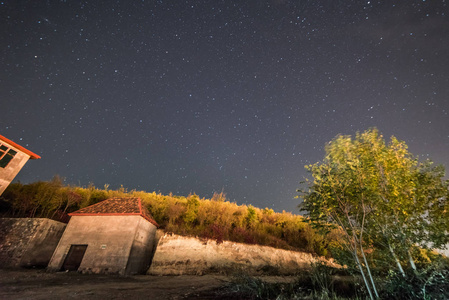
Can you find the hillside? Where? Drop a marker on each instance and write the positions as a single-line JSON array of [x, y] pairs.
[[216, 218], [179, 255]]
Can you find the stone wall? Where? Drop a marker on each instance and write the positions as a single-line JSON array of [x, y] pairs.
[[28, 242], [142, 248], [179, 255]]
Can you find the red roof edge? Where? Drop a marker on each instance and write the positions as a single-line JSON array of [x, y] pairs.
[[151, 221], [31, 154]]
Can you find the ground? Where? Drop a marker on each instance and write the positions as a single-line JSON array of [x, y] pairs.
[[38, 284]]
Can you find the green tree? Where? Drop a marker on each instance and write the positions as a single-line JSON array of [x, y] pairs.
[[192, 205], [251, 217], [377, 194]]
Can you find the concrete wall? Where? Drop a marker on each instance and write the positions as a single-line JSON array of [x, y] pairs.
[[179, 255], [142, 248], [28, 242], [110, 241], [8, 173]]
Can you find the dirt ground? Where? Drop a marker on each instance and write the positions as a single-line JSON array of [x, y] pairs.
[[38, 284]]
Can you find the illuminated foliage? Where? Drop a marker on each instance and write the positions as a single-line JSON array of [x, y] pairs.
[[378, 195]]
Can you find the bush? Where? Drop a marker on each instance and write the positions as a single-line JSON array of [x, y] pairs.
[[431, 283], [214, 232]]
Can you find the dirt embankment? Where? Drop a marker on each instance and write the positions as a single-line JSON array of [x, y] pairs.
[[179, 255]]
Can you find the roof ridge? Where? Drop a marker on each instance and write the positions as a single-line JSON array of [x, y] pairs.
[[92, 205]]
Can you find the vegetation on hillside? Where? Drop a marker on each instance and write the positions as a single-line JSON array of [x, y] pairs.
[[214, 218]]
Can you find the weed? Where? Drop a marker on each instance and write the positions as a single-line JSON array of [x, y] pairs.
[[320, 283]]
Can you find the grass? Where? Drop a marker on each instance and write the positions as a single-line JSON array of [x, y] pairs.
[[318, 284]]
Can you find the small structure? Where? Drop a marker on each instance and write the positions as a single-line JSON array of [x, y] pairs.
[[115, 236], [12, 158]]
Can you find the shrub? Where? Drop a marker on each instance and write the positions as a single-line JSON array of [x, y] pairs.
[[214, 232], [431, 283]]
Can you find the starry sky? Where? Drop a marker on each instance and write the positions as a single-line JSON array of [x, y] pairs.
[[217, 95]]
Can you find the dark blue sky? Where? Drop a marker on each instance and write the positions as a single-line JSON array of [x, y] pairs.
[[204, 96]]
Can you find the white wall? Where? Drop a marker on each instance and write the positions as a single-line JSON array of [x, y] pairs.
[[109, 240]]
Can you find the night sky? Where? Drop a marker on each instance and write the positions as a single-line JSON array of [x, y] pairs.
[[203, 96]]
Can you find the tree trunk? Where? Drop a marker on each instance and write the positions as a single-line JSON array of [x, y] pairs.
[[412, 262], [368, 288], [398, 263], [369, 271]]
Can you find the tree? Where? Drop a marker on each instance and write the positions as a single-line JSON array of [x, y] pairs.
[[377, 194]]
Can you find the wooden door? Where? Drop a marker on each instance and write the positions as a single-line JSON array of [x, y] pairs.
[[74, 257]]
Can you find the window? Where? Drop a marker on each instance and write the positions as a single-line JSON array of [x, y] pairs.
[[6, 155]]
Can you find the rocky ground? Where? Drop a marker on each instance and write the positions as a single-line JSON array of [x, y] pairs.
[[38, 284]]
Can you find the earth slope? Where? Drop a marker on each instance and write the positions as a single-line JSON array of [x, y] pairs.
[[179, 255]]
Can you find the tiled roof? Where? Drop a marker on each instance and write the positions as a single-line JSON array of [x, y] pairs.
[[17, 146], [116, 206]]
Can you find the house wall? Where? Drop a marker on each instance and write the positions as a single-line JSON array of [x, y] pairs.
[[8, 173], [109, 241], [28, 242], [142, 248]]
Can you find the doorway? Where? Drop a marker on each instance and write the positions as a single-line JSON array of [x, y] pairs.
[[74, 258]]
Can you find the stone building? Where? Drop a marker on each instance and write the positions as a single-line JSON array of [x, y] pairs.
[[12, 158], [115, 236]]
